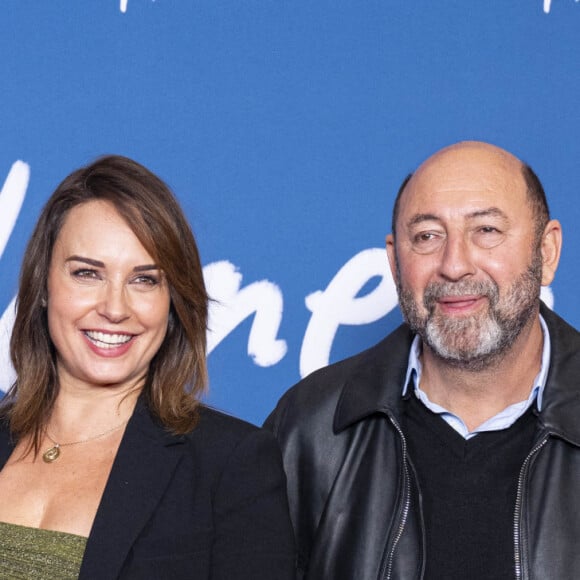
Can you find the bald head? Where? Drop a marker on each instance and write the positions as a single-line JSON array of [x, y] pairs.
[[469, 154], [457, 166]]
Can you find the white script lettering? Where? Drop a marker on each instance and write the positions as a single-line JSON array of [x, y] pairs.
[[548, 5], [11, 199], [7, 376], [231, 305], [340, 304]]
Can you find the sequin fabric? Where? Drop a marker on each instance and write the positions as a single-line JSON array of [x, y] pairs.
[[27, 553]]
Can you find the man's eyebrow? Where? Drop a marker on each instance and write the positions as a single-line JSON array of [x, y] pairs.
[[430, 217], [422, 217], [488, 212], [99, 264]]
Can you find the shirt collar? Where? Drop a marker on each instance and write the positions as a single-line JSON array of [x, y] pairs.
[[414, 369]]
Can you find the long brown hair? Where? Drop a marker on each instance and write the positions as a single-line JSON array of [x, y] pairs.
[[178, 374]]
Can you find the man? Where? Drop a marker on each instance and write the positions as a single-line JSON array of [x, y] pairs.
[[451, 450]]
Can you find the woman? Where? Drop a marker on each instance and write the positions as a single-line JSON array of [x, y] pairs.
[[111, 467]]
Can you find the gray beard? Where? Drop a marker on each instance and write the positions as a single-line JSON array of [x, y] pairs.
[[475, 342]]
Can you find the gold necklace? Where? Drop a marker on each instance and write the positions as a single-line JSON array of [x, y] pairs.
[[53, 453]]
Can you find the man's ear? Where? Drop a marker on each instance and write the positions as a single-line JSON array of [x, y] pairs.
[[550, 248], [391, 255]]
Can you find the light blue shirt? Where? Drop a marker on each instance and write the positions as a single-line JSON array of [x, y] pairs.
[[503, 419]]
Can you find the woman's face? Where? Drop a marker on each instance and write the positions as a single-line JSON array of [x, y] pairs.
[[108, 302]]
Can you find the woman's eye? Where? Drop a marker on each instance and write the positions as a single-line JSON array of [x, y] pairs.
[[85, 274], [147, 280]]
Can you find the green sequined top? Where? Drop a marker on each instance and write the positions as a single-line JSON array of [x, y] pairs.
[[27, 553]]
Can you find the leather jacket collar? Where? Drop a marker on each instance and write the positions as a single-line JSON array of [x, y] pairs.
[[561, 402], [373, 387]]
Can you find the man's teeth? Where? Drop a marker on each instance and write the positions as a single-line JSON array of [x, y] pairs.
[[105, 340]]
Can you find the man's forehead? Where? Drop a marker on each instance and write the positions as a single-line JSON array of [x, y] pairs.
[[466, 172], [470, 157]]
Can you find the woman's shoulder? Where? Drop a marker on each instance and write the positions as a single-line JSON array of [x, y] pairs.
[[217, 429], [213, 418], [213, 415]]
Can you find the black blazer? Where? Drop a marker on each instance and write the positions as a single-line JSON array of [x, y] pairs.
[[207, 505]]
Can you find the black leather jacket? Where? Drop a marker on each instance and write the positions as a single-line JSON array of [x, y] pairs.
[[354, 499]]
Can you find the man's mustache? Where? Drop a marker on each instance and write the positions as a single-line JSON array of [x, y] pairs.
[[437, 290]]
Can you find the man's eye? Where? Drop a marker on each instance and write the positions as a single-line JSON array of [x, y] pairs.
[[425, 237], [488, 236], [427, 242]]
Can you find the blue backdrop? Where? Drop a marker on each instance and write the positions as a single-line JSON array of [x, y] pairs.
[[285, 128]]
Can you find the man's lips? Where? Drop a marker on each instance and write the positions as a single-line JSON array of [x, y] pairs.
[[459, 303]]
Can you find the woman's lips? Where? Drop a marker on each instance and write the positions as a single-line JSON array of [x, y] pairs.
[[109, 344]]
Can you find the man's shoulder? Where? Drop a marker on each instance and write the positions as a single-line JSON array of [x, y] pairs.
[[316, 396], [562, 330]]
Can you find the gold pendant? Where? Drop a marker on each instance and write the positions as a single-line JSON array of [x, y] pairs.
[[51, 454]]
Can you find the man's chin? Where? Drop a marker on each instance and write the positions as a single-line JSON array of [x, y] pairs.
[[475, 365], [469, 342]]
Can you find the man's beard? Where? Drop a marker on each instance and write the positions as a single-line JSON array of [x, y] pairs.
[[474, 342]]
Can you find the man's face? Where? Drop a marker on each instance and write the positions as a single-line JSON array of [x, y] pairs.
[[474, 341], [466, 259]]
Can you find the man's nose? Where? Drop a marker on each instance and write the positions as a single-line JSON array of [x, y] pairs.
[[456, 258]]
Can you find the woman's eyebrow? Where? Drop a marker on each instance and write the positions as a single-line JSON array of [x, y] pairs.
[[90, 261], [99, 264], [146, 267]]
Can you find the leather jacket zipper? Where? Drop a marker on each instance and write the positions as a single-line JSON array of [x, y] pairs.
[[388, 566], [518, 508], [387, 569]]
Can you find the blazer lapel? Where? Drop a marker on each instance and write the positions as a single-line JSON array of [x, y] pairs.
[[143, 467], [6, 444]]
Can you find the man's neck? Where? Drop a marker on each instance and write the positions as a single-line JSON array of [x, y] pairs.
[[477, 395]]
